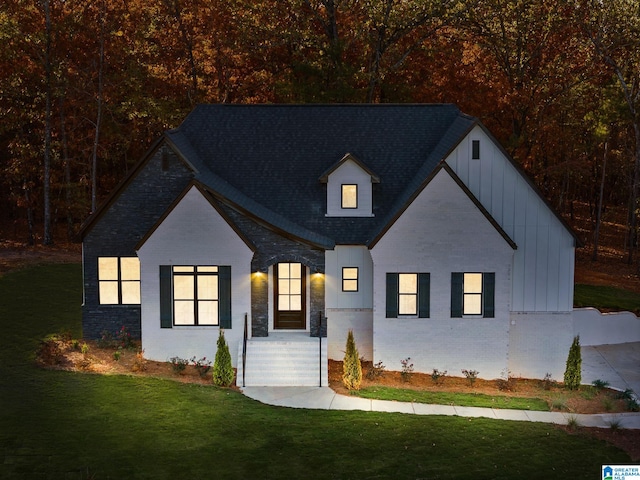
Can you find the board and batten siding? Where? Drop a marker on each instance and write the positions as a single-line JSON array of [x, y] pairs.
[[441, 232], [543, 266], [193, 233], [349, 310]]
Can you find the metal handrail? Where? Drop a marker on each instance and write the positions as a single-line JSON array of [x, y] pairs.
[[244, 349], [320, 347]]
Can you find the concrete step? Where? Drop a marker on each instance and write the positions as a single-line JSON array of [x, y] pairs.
[[283, 361]]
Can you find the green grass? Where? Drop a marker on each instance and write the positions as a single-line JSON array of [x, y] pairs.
[[61, 425], [609, 298], [457, 399]]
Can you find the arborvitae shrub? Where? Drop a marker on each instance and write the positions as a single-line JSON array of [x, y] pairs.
[[351, 367], [573, 372], [222, 368]]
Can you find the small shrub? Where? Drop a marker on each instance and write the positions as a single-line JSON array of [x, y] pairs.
[[573, 423], [407, 369], [588, 393], [178, 364], [471, 376], [123, 338], [615, 424], [607, 404], [600, 384], [202, 366], [106, 340], [507, 382], [116, 355], [548, 382], [573, 371], [351, 366], [84, 349], [222, 367], [625, 395], [49, 352], [438, 377], [559, 404], [376, 371], [632, 405], [140, 363]]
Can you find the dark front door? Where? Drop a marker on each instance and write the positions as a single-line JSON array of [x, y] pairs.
[[290, 298]]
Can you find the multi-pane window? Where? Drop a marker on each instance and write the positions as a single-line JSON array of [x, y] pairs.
[[408, 294], [289, 286], [119, 280], [349, 196], [349, 279], [473, 293], [195, 295]]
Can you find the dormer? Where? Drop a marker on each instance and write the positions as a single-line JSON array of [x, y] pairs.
[[349, 188]]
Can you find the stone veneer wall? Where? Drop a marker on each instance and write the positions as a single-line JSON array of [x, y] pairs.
[[271, 248]]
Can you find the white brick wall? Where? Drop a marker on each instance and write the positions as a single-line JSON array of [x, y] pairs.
[[194, 233], [441, 232], [539, 344]]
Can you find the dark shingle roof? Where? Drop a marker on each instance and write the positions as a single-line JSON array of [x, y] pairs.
[[267, 159]]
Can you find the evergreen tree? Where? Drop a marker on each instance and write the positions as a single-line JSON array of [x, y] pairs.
[[573, 372], [351, 367], [222, 368]]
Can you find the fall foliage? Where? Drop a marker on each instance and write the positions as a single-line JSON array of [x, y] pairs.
[[87, 85]]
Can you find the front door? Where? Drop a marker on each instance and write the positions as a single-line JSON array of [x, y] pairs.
[[290, 299]]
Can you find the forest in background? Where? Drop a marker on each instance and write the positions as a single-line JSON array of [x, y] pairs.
[[86, 86]]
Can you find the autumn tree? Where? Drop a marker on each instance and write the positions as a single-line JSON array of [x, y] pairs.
[[613, 28]]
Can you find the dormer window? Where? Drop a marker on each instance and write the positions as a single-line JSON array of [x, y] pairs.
[[350, 196], [349, 188]]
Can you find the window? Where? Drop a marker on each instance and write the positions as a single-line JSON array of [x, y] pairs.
[[195, 295], [408, 294], [349, 279], [119, 280], [349, 196], [290, 286], [473, 294], [475, 149]]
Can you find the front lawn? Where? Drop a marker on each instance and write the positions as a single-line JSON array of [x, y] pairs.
[[606, 298], [73, 425]]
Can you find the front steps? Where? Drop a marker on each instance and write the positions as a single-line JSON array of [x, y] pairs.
[[283, 360]]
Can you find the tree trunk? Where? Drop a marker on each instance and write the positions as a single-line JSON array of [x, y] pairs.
[[48, 234], [67, 174], [96, 138], [633, 201], [596, 235]]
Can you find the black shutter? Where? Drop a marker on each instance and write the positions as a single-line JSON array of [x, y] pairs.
[[456, 295], [392, 295], [488, 292], [166, 298], [224, 296], [424, 285]]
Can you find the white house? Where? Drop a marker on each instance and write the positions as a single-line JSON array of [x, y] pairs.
[[407, 224]]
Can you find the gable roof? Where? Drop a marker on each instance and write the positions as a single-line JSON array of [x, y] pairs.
[[324, 178], [271, 162], [266, 160]]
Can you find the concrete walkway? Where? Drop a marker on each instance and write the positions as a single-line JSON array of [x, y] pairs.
[[617, 364]]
